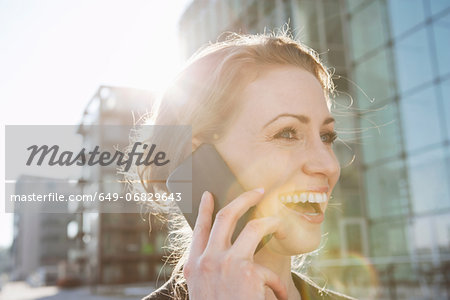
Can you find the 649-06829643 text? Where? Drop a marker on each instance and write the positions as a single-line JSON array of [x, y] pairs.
[[102, 197]]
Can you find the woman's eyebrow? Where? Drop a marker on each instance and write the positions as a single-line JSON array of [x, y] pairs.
[[302, 118]]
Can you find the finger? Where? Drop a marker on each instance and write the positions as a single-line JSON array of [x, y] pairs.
[[274, 282], [202, 226], [247, 241], [227, 217]]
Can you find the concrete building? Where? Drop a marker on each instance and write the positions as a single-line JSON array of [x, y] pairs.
[[389, 221], [114, 247], [40, 239]]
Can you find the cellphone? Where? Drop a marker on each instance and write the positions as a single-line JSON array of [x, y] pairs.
[[209, 173]]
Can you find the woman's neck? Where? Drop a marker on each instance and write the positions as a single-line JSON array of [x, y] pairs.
[[280, 265]]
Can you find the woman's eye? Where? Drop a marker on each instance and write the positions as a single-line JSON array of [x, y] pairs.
[[286, 134], [329, 137]]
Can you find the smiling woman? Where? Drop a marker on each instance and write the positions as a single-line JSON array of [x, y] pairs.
[[263, 102], [286, 129]]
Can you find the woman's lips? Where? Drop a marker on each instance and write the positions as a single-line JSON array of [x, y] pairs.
[[315, 217]]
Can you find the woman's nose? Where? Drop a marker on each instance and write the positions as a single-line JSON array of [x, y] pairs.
[[320, 159]]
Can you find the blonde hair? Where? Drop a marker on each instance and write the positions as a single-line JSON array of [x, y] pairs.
[[205, 95]]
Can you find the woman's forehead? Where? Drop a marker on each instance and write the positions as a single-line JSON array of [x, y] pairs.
[[285, 90]]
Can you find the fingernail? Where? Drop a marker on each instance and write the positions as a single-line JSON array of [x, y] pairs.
[[259, 190], [205, 195]]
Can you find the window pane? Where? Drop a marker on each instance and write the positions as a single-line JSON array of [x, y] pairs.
[[429, 180], [352, 4], [333, 26], [383, 138], [386, 190], [413, 60], [405, 14], [445, 90], [368, 28], [336, 58], [354, 238], [305, 19], [441, 29], [423, 241], [438, 5], [389, 239], [420, 114], [374, 80], [428, 229], [443, 233], [352, 203]]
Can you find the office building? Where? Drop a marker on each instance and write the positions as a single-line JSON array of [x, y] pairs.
[[40, 239], [114, 247], [389, 221]]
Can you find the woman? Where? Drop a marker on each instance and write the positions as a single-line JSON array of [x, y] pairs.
[[263, 102]]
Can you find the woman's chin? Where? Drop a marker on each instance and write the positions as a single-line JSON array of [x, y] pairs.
[[291, 246]]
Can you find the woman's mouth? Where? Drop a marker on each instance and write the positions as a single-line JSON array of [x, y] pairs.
[[307, 204]]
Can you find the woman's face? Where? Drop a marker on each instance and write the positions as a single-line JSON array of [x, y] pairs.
[[282, 141]]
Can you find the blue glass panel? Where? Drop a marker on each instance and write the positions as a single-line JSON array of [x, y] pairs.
[[352, 4], [413, 60], [442, 225], [445, 90], [420, 116], [423, 239], [429, 181], [389, 239], [381, 136], [374, 80], [439, 5], [386, 190], [369, 29], [441, 29], [405, 14]]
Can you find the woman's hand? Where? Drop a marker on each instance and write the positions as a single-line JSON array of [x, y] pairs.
[[217, 269]]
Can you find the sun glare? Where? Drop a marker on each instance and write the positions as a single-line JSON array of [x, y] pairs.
[[57, 55]]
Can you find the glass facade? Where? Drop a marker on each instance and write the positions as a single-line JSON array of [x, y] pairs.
[[413, 60], [375, 79], [400, 64], [421, 131], [388, 224]]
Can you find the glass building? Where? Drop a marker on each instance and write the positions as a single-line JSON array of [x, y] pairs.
[[389, 222], [399, 52]]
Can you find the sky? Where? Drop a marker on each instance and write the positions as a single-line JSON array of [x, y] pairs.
[[54, 54]]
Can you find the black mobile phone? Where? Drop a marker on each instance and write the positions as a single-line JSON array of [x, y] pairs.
[[209, 173]]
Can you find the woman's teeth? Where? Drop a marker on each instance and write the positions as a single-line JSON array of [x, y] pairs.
[[304, 197], [307, 204]]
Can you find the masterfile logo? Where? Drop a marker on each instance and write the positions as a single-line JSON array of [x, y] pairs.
[[94, 157], [60, 169]]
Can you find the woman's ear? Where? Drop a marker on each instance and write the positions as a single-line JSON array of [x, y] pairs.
[[195, 143]]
